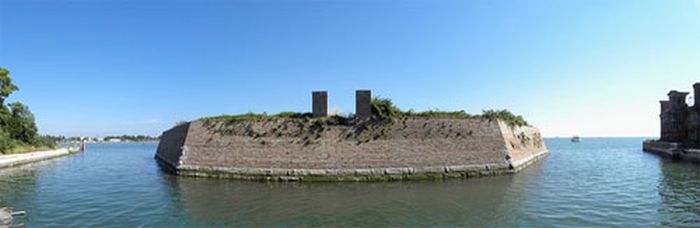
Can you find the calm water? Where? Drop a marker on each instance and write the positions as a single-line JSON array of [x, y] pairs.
[[599, 182]]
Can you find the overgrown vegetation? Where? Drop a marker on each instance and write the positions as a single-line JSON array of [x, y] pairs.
[[505, 115], [301, 128], [257, 116], [18, 131], [384, 110]]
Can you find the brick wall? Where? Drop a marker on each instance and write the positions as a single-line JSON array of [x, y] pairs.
[[305, 144]]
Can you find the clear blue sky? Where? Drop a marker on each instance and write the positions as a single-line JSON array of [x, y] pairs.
[[593, 68]]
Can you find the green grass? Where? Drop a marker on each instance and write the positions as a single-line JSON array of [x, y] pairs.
[[27, 149]]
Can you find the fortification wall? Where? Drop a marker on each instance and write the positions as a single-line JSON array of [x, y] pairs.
[[525, 145], [171, 144], [303, 149]]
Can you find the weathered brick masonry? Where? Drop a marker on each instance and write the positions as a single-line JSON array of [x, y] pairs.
[[310, 149]]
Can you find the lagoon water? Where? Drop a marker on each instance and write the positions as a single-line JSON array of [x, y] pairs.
[[598, 182]]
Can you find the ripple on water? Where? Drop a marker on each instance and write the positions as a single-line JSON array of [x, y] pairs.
[[599, 182]]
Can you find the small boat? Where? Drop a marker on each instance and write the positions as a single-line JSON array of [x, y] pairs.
[[575, 139]]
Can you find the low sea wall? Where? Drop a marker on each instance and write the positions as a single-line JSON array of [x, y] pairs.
[[25, 158], [313, 150], [672, 150]]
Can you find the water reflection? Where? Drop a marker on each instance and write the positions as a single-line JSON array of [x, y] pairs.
[[596, 183], [679, 189], [18, 183], [18, 186], [455, 202]]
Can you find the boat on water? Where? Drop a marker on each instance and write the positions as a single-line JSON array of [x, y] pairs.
[[576, 139]]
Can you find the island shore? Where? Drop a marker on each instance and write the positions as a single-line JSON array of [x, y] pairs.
[[25, 158]]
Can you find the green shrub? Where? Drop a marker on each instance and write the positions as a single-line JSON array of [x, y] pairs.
[[504, 115], [384, 109], [45, 141]]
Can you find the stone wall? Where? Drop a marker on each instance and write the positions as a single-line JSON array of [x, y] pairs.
[[313, 149], [171, 144], [672, 150], [525, 144]]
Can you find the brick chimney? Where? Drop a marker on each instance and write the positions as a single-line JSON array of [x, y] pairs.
[[319, 103], [363, 104]]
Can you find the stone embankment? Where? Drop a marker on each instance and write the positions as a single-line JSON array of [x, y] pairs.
[[672, 150], [318, 149], [25, 158]]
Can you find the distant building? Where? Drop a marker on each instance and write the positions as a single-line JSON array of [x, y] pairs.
[[680, 127]]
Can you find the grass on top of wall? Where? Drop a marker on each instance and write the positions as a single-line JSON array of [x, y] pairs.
[[258, 116], [383, 110]]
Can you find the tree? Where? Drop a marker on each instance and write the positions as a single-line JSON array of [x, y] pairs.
[[6, 86], [22, 125], [17, 124]]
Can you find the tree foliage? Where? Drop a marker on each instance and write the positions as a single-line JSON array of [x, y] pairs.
[[21, 125], [6, 86], [17, 124]]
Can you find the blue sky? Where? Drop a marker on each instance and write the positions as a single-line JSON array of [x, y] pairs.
[[592, 68]]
